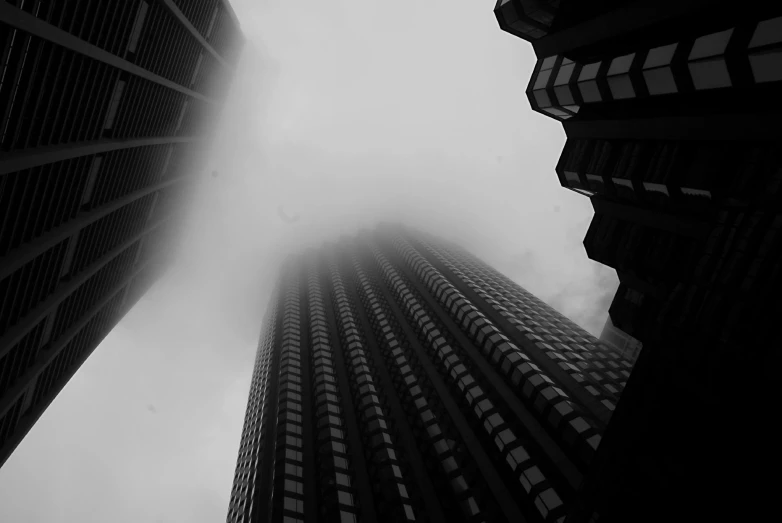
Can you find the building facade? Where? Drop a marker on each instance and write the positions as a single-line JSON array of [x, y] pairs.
[[101, 105], [672, 131], [399, 378]]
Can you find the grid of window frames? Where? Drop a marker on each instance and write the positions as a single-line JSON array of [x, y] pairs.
[[337, 491], [253, 433], [433, 429], [559, 87], [597, 366], [454, 368], [671, 173], [287, 492], [549, 401], [386, 461], [73, 232]]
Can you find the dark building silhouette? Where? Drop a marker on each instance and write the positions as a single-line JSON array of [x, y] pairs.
[[101, 105], [672, 121], [399, 378]]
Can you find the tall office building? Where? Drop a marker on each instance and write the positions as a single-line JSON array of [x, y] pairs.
[[101, 106], [670, 112], [399, 378]]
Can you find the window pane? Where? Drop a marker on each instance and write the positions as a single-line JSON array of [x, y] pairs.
[[710, 45], [565, 72], [621, 64], [710, 74], [660, 56], [542, 79], [548, 63], [767, 32], [564, 96], [621, 87], [660, 81], [767, 67], [589, 91], [589, 72], [542, 98]]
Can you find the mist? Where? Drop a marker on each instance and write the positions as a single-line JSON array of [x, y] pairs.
[[342, 113]]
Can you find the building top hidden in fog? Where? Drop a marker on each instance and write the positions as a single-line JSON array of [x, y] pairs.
[[400, 378]]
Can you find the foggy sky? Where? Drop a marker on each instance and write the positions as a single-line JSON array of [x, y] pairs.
[[344, 112]]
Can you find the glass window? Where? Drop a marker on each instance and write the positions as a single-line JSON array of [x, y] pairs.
[[531, 477], [449, 464], [660, 56], [589, 72], [542, 98], [767, 32], [589, 91], [710, 45], [347, 517], [345, 498], [295, 505], [766, 67], [660, 81], [548, 63], [547, 500], [516, 457], [542, 79], [621, 64], [579, 424], [294, 486], [343, 479], [710, 74], [565, 72]]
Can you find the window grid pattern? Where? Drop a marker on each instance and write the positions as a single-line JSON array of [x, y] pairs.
[[454, 368], [549, 401], [333, 453], [287, 494], [433, 430], [559, 87], [253, 432], [25, 288], [597, 366], [386, 461]]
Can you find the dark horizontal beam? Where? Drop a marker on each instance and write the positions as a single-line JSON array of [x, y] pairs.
[[171, 6], [45, 358], [18, 331], [27, 252], [28, 158], [723, 127], [26, 22]]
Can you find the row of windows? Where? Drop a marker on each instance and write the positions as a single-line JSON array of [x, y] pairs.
[[560, 86], [453, 369], [432, 439], [289, 443], [337, 494], [256, 417], [550, 402], [384, 460], [669, 173], [556, 336]]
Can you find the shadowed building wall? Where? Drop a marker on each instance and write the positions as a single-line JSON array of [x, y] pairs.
[[101, 106], [672, 120]]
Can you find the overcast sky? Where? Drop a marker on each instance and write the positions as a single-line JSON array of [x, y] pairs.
[[345, 112]]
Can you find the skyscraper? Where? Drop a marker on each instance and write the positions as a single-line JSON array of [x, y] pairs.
[[101, 105], [672, 131], [399, 378]]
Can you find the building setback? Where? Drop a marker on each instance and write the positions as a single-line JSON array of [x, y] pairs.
[[672, 120], [399, 378], [101, 105]]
